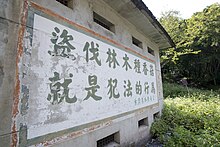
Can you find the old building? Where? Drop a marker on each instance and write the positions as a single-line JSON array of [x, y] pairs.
[[80, 73]]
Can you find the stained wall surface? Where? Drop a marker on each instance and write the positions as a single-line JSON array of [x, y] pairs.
[[66, 80]]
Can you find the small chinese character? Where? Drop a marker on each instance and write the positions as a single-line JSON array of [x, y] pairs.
[[112, 58], [128, 89], [112, 84], [137, 66], [139, 100], [91, 91], [92, 49], [126, 64], [62, 46], [135, 102]]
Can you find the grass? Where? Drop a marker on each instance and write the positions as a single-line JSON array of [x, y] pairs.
[[188, 119]]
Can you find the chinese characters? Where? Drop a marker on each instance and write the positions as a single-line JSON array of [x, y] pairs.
[[61, 44], [113, 74]]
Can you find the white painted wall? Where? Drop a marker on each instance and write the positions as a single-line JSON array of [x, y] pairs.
[[43, 117]]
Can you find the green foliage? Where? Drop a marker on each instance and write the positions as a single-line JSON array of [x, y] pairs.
[[189, 119], [173, 24], [176, 27], [197, 51], [172, 90], [159, 128], [170, 57], [203, 34]]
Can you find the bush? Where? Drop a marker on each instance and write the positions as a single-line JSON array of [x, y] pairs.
[[171, 90], [189, 119]]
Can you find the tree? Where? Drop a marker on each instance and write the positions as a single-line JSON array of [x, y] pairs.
[[203, 33], [175, 26], [197, 52]]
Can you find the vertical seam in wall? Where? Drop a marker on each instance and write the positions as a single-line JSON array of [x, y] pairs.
[[15, 111]]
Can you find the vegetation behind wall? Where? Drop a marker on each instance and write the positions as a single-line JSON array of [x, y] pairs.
[[188, 119], [197, 53]]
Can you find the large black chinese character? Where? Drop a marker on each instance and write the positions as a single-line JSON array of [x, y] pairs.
[[146, 88], [91, 91], [128, 89], [145, 70], [137, 66], [60, 91], [112, 84], [112, 58], [138, 88], [94, 50], [126, 64], [62, 46], [151, 70], [153, 88]]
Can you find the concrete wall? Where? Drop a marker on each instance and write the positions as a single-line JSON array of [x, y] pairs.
[[12, 130], [9, 25]]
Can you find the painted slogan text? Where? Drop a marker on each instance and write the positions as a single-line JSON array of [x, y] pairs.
[[81, 79]]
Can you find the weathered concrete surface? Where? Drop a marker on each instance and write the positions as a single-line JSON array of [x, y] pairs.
[[9, 19]]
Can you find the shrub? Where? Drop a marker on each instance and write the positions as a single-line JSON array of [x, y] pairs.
[[189, 119], [171, 90]]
